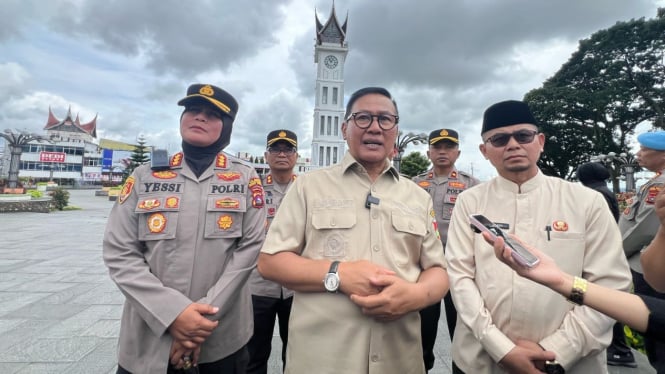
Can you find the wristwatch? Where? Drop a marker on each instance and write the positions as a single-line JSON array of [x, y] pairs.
[[331, 280]]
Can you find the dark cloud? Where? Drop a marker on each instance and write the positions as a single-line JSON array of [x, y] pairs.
[[175, 36]]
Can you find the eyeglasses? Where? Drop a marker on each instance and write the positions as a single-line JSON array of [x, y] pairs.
[[521, 136], [289, 151], [363, 120]]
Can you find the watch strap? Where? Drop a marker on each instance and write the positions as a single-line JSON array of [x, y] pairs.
[[333, 267], [579, 289]]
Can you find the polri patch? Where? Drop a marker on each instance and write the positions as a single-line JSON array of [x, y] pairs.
[[149, 204], [651, 195], [560, 226]]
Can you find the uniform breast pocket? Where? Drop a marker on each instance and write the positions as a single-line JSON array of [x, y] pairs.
[[333, 229], [567, 250], [158, 217], [224, 216], [408, 235]]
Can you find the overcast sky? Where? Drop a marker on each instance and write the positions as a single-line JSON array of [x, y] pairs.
[[130, 61]]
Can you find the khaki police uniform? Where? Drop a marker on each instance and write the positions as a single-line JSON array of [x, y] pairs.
[[173, 239], [274, 193], [639, 223], [324, 216], [568, 222], [444, 191]]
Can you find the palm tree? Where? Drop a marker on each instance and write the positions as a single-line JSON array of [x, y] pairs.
[[16, 141]]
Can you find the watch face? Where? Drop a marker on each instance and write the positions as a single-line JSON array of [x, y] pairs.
[[330, 61], [331, 282]]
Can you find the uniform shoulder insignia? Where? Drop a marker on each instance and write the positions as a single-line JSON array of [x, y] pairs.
[[126, 190]]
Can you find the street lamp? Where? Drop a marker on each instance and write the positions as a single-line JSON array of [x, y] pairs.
[[623, 164], [402, 141]]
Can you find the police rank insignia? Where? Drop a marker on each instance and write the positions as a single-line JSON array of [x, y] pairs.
[[221, 161], [225, 222], [559, 226], [176, 160], [156, 223], [228, 176], [165, 174], [126, 190]]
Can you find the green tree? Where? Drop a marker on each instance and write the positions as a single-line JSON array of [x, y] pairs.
[[612, 83], [140, 155], [413, 164]]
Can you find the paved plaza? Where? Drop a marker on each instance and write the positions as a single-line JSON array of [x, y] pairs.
[[60, 312]]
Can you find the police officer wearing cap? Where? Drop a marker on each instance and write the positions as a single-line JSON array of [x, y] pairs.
[[443, 182], [505, 323], [180, 244], [639, 224], [270, 300]]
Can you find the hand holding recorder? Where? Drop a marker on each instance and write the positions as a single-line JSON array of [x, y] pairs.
[[523, 256]]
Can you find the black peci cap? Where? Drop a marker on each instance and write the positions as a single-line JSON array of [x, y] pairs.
[[507, 113]]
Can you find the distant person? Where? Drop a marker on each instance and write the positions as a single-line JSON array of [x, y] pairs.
[[639, 225], [443, 182], [271, 300], [595, 175], [358, 244], [507, 323], [181, 242]]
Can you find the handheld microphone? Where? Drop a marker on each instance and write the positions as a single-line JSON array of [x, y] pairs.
[[371, 200]]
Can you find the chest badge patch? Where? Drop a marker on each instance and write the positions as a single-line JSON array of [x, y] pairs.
[[176, 160], [559, 226], [457, 185], [424, 184], [149, 204], [165, 174], [225, 222], [172, 202], [228, 176], [156, 223], [228, 203]]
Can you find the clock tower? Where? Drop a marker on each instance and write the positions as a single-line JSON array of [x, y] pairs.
[[330, 51]]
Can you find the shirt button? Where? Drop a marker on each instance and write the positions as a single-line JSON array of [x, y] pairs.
[[375, 248], [375, 215], [410, 226], [375, 358]]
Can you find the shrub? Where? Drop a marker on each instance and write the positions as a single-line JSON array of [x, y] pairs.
[[35, 194], [60, 198]]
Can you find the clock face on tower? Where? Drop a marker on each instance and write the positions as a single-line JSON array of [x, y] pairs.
[[330, 61]]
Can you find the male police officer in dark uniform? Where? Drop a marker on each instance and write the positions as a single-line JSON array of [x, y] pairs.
[[181, 243], [271, 300], [443, 182]]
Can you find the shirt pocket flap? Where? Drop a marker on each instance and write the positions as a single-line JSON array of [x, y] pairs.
[[333, 220], [408, 223]]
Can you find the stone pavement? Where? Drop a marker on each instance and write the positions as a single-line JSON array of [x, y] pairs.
[[60, 312]]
